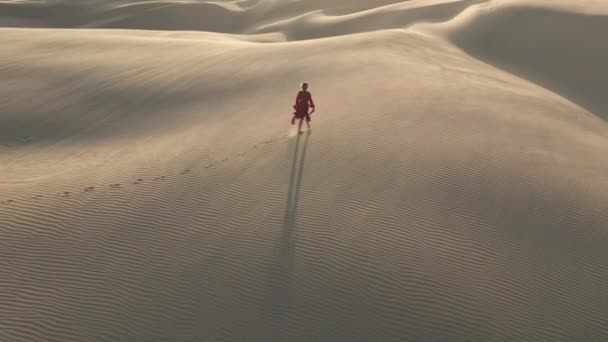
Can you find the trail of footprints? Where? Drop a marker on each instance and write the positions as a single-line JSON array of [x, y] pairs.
[[117, 186]]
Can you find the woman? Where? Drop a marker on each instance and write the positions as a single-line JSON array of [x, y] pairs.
[[303, 101]]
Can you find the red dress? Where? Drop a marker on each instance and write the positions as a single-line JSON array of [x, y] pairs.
[[303, 101]]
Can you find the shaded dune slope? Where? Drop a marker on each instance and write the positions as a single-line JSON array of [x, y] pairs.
[[563, 51]]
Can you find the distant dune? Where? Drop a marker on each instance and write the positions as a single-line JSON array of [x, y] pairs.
[[557, 48], [454, 185]]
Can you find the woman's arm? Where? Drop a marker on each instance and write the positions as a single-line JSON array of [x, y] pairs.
[[312, 104]]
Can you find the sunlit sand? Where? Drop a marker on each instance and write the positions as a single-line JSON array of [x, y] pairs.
[[453, 187]]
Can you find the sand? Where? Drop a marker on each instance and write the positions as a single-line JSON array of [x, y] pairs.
[[454, 185]]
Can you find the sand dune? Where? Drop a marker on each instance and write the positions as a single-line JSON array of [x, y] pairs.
[[298, 19], [454, 186], [518, 37]]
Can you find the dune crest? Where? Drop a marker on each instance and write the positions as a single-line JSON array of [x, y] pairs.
[[561, 48], [296, 19]]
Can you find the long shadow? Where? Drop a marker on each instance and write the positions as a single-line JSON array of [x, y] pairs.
[[281, 286]]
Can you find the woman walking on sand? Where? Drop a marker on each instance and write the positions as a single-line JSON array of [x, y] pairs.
[[303, 101]]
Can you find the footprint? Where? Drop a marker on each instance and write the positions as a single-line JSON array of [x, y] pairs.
[[140, 180], [160, 178], [38, 196], [185, 171], [10, 201], [114, 186], [89, 188], [65, 193]]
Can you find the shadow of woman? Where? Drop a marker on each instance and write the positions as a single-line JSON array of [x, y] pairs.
[[281, 285]]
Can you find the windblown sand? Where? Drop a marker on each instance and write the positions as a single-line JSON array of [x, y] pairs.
[[454, 186]]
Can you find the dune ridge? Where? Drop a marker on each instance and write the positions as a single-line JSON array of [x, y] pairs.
[[301, 19], [153, 189], [518, 36]]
